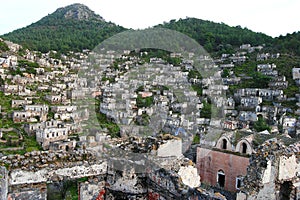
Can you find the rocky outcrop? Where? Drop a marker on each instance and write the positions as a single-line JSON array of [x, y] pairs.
[[79, 12]]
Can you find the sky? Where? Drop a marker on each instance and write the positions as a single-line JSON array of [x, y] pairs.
[[272, 17]]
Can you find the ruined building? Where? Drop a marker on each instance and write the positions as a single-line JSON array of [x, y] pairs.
[[273, 173]]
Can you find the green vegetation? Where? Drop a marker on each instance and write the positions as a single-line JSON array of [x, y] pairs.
[[143, 120], [64, 190], [50, 115], [146, 54], [3, 46], [140, 89], [261, 125], [217, 36], [104, 122], [261, 138], [288, 44], [198, 88], [56, 32], [61, 33], [30, 143], [194, 74], [196, 139], [144, 102], [206, 110], [112, 127], [27, 144], [10, 135], [55, 55], [5, 102], [225, 73], [253, 79], [111, 80], [26, 64]]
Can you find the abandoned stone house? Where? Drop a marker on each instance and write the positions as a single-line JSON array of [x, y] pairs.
[[62, 145], [266, 94], [31, 113], [224, 165], [250, 103], [34, 127], [265, 67], [231, 80], [238, 59], [37, 108], [230, 125], [247, 116], [63, 109], [54, 99], [76, 94], [12, 89], [278, 82], [20, 103], [48, 135], [296, 73], [28, 116], [288, 124], [266, 56]]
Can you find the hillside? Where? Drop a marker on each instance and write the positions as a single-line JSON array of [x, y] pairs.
[[289, 44], [217, 36], [74, 27]]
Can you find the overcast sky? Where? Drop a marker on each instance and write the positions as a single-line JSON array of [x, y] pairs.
[[273, 17]]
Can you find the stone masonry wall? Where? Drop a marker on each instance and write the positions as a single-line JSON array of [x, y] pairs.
[[3, 183]]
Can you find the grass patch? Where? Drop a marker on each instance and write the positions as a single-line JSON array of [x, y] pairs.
[[196, 139], [31, 144]]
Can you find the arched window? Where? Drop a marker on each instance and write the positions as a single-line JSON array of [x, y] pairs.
[[244, 147], [221, 178], [224, 144]]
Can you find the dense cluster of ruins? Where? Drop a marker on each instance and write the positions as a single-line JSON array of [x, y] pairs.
[[191, 156]]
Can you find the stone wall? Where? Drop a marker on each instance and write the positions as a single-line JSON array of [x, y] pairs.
[[28, 191], [92, 189], [3, 183], [19, 176], [273, 172]]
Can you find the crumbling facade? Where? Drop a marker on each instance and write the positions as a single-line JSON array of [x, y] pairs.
[[273, 173]]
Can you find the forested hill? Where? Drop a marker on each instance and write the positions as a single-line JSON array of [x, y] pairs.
[[74, 27], [217, 36], [289, 44]]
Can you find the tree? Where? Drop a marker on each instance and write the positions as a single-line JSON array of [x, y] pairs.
[[206, 110], [3, 46], [225, 73], [261, 124], [144, 102], [2, 82]]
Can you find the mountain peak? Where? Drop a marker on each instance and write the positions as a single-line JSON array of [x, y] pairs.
[[78, 11]]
